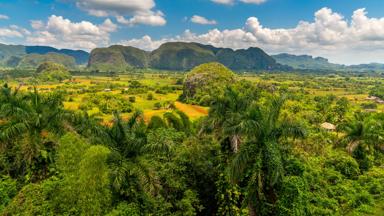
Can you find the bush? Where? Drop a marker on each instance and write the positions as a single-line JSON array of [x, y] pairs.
[[150, 96], [346, 165], [7, 190], [132, 99], [157, 106]]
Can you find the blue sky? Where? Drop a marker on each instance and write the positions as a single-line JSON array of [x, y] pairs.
[[275, 25]]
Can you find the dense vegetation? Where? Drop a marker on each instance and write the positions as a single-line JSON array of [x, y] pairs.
[[260, 150], [180, 56], [204, 82]]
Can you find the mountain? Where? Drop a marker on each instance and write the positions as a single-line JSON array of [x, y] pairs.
[[368, 67], [80, 56], [181, 56], [11, 55], [117, 58], [32, 61], [307, 62]]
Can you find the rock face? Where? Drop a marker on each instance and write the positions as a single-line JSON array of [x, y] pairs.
[[182, 56], [204, 81]]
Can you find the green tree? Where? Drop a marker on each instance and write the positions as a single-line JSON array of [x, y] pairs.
[[258, 163]]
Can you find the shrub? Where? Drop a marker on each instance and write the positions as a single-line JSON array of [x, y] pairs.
[[132, 99], [150, 96], [157, 106]]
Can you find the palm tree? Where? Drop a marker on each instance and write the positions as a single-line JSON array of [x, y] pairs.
[[179, 121], [28, 121], [228, 117], [258, 163], [364, 131], [130, 172]]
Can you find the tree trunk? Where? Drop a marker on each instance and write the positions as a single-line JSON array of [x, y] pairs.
[[235, 143], [251, 209]]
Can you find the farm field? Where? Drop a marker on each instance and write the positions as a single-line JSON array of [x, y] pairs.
[[355, 89]]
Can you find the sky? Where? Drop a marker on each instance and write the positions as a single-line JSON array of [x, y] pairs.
[[344, 31]]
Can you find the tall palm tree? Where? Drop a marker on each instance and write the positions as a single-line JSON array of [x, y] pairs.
[[131, 174], [228, 117], [258, 163], [28, 121]]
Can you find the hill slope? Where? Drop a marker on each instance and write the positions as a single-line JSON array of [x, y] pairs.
[[181, 56], [307, 62], [10, 55]]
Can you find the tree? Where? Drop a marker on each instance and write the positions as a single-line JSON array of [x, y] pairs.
[[31, 121], [258, 164], [131, 177], [228, 117]]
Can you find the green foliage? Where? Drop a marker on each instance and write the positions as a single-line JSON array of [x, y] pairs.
[[261, 150], [107, 103], [50, 72], [7, 191], [32, 199], [117, 58], [228, 197], [377, 91], [346, 165], [293, 197], [179, 56], [124, 209], [205, 81], [34, 60], [156, 122]]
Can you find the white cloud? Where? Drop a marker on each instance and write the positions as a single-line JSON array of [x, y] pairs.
[[202, 20], [128, 12], [64, 33], [4, 17], [155, 19], [225, 2], [253, 1], [37, 24], [12, 32], [330, 34], [9, 32], [231, 2]]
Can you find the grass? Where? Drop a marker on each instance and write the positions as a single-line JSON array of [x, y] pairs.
[[314, 85]]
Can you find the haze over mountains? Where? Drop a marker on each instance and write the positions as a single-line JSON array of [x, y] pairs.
[[178, 56], [307, 62]]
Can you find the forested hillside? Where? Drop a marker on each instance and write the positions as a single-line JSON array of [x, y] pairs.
[[12, 55], [180, 56]]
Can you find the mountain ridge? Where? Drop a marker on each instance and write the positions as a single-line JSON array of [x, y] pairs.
[[10, 55], [181, 56], [308, 62]]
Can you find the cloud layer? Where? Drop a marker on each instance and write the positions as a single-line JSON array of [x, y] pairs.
[[329, 34]]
